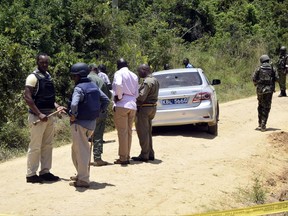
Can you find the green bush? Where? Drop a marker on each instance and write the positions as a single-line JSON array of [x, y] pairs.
[[14, 140], [62, 134]]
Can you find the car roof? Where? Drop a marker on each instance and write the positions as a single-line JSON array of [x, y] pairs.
[[178, 70]]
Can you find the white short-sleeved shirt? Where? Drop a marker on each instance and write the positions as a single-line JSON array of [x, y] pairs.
[[31, 80]]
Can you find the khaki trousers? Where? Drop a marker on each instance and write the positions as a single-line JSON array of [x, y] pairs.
[[143, 124], [123, 119], [81, 151], [40, 146]]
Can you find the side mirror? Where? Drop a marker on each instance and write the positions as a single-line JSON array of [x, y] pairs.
[[216, 81]]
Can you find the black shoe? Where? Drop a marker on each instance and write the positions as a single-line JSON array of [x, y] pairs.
[[282, 93], [49, 177], [152, 158], [139, 159], [34, 179]]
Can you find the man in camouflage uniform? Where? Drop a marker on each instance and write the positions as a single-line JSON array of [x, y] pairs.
[[264, 79], [146, 110], [282, 65], [100, 121]]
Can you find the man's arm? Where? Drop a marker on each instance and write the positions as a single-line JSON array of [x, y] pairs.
[[255, 77], [143, 93], [30, 102]]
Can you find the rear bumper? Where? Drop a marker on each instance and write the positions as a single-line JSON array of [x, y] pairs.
[[184, 116]]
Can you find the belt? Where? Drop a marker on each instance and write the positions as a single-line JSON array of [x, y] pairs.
[[148, 105]]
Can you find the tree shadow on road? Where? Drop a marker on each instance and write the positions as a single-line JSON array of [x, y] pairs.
[[196, 131]]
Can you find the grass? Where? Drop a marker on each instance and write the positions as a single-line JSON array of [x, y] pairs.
[[256, 193]]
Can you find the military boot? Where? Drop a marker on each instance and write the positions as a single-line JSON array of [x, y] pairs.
[[263, 128], [282, 93]]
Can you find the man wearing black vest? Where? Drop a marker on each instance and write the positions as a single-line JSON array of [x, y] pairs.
[[39, 95], [86, 104]]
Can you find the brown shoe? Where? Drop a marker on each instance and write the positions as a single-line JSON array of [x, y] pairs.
[[99, 162], [80, 183], [118, 161]]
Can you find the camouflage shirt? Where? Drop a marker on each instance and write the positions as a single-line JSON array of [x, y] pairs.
[[264, 78], [282, 63]]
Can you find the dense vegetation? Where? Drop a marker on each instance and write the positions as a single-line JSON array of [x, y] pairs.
[[224, 37]]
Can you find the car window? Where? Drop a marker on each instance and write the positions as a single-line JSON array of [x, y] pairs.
[[179, 79], [206, 79]]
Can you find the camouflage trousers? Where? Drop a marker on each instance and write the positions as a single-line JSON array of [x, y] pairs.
[[282, 80], [264, 106], [98, 138]]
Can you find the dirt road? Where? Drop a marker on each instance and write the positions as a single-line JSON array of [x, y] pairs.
[[194, 171]]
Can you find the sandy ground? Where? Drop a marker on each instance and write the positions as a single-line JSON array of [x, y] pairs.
[[194, 172]]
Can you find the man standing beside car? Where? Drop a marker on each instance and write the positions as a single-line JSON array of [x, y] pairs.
[[146, 110], [264, 79], [125, 91]]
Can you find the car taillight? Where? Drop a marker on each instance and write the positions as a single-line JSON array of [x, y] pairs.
[[201, 96]]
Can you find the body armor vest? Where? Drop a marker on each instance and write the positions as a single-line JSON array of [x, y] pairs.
[[89, 108], [44, 97]]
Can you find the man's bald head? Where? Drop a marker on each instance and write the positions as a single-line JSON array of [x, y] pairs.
[[144, 70]]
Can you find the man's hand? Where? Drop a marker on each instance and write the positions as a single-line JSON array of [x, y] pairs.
[[116, 99], [103, 114], [72, 118], [62, 110], [43, 117]]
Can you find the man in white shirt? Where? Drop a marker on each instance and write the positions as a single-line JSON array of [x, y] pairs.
[[125, 91]]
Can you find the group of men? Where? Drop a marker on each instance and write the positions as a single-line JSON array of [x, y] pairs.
[[264, 79], [88, 112]]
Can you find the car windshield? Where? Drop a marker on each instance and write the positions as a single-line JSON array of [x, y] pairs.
[[173, 80]]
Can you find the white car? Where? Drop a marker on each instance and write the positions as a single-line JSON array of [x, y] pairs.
[[186, 97]]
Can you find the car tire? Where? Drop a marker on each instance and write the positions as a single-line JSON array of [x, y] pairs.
[[218, 112], [213, 129]]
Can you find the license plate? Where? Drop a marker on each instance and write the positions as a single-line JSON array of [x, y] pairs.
[[175, 101]]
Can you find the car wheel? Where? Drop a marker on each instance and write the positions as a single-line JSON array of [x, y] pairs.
[[218, 112], [213, 129]]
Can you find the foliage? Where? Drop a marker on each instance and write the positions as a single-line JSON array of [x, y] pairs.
[[14, 140], [256, 193], [223, 37]]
